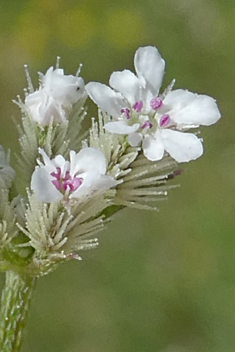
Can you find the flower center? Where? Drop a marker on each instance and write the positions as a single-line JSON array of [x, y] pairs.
[[67, 182]]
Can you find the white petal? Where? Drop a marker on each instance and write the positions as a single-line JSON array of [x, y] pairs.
[[89, 179], [46, 159], [63, 164], [52, 109], [150, 65], [93, 182], [35, 97], [73, 91], [134, 139], [51, 165], [48, 76], [104, 182], [88, 160], [121, 127], [43, 107], [108, 100], [43, 187], [65, 89], [153, 147], [191, 109], [59, 161], [182, 147], [126, 83], [35, 102]]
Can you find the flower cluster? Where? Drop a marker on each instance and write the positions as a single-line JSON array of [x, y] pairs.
[[156, 120], [69, 184]]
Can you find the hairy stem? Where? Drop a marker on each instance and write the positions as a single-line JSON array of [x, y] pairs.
[[16, 297]]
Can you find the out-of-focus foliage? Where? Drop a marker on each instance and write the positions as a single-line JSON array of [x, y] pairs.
[[163, 281]]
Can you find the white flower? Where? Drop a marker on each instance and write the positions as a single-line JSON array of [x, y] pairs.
[[155, 120], [57, 178], [55, 97]]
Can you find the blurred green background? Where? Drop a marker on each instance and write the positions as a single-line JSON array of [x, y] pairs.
[[164, 281]]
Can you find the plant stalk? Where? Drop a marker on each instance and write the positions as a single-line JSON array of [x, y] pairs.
[[15, 302]]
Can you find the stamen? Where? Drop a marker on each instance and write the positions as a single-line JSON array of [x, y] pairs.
[[56, 174], [164, 120], [67, 182], [72, 184], [156, 103], [66, 185], [126, 112], [67, 176], [138, 106], [147, 124]]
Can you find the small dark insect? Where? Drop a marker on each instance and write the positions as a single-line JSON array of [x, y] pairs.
[[174, 174]]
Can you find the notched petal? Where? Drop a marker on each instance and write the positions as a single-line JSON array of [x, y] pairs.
[[191, 108], [182, 147]]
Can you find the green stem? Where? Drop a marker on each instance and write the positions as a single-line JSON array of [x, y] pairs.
[[16, 297]]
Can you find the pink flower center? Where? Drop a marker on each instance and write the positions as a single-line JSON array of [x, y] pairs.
[[66, 182], [164, 120], [126, 112], [138, 106], [156, 103], [146, 124]]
